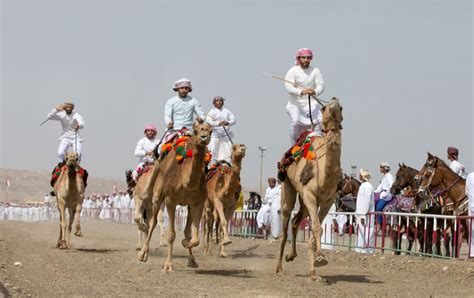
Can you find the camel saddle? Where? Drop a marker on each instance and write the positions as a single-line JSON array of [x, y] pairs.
[[302, 148], [221, 166], [59, 168]]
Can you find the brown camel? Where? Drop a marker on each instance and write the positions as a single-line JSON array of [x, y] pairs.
[[181, 182], [223, 191], [142, 194], [316, 183], [69, 190]]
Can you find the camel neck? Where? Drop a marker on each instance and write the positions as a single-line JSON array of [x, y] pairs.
[[71, 174]]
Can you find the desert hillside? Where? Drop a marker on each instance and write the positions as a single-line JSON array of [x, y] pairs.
[[33, 185]]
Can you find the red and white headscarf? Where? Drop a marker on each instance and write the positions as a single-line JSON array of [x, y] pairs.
[[150, 127], [302, 52]]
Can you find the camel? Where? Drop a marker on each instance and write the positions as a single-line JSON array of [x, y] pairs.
[[142, 194], [316, 183], [181, 181], [223, 191], [69, 190]]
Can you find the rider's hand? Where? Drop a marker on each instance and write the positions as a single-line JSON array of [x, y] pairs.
[[222, 123], [60, 107], [309, 91], [150, 153], [170, 125]]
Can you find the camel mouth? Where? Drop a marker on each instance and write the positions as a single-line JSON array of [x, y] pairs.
[[203, 138]]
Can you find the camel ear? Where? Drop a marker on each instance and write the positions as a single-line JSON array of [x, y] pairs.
[[403, 164], [430, 155], [399, 165]]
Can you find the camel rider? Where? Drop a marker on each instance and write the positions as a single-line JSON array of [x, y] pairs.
[[144, 149], [455, 165], [220, 117], [306, 80], [71, 122], [179, 110], [384, 190]]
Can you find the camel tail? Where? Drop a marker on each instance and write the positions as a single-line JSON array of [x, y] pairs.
[[128, 177]]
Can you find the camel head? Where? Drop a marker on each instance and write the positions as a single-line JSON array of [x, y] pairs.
[[332, 115], [71, 159], [202, 133], [238, 151]]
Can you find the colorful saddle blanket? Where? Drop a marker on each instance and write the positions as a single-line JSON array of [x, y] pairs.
[[302, 148], [60, 167], [219, 167], [179, 143]]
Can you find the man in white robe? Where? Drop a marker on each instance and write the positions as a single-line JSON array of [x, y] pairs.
[[220, 118], [327, 236], [384, 190], [275, 206], [365, 223], [303, 81], [71, 123], [455, 165], [144, 149], [263, 215], [470, 196]]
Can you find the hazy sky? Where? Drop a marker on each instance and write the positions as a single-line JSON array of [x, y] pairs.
[[401, 69]]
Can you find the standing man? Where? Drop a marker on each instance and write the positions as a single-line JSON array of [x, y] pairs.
[[179, 110], [365, 204], [384, 190], [144, 149], [455, 165], [470, 197], [220, 117], [71, 123], [303, 81]]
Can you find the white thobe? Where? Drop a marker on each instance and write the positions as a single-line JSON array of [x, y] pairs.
[[220, 145], [458, 168], [384, 187], [298, 105], [275, 206], [181, 111], [365, 204], [69, 124], [470, 197], [341, 223], [145, 145], [327, 227]]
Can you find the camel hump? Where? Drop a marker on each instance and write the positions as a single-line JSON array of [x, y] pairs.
[[307, 174]]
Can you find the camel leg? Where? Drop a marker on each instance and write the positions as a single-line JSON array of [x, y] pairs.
[[223, 221], [321, 215], [208, 221], [295, 223], [139, 215], [168, 266], [316, 257], [72, 214], [161, 219], [78, 232], [288, 198], [62, 225], [143, 253], [228, 215]]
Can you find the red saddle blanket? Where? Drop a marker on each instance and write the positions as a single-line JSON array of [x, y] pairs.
[[59, 168]]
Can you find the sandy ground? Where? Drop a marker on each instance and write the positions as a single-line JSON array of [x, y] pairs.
[[104, 263]]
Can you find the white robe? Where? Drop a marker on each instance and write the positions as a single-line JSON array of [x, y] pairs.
[[384, 187], [365, 204], [470, 196], [69, 124], [458, 168], [327, 236], [341, 223], [220, 145], [275, 218], [298, 106]]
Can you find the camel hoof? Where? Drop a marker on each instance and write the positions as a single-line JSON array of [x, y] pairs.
[[168, 267], [290, 258], [226, 241], [279, 270], [315, 277], [143, 255], [78, 234], [192, 264], [320, 261], [163, 244], [223, 255]]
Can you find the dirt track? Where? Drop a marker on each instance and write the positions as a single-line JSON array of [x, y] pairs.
[[104, 262]]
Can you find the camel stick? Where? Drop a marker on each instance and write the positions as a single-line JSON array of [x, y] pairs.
[[225, 130], [44, 122]]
